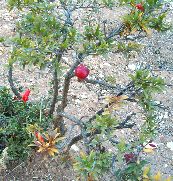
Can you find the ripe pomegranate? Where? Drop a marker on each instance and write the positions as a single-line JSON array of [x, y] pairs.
[[140, 7], [81, 72]]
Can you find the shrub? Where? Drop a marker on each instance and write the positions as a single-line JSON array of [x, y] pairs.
[[48, 31]]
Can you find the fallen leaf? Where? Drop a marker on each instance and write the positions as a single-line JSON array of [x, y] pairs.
[[157, 177], [148, 150]]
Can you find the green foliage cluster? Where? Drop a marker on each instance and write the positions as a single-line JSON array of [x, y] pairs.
[[92, 166], [104, 126], [150, 18], [40, 37], [15, 117], [147, 85]]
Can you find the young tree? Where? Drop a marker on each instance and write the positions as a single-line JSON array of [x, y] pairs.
[[49, 30]]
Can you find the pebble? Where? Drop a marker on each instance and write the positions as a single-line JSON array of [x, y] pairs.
[[132, 66], [75, 148], [170, 145]]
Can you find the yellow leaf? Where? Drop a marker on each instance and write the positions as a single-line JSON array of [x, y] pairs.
[[41, 149], [148, 150], [82, 154], [145, 172], [106, 112], [54, 149], [168, 179], [116, 99], [146, 179], [157, 177], [51, 153], [148, 31], [116, 106], [115, 102], [133, 31]]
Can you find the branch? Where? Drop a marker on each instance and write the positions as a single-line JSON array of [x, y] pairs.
[[55, 94], [59, 54], [120, 126], [78, 122], [70, 117], [115, 31], [68, 77], [124, 123], [10, 80], [130, 85], [101, 83]]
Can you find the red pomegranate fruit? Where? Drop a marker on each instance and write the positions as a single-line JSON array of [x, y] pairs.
[[81, 72], [140, 7]]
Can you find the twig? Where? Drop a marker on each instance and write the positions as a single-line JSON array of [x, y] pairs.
[[115, 31], [101, 83], [55, 94], [124, 123], [70, 117], [10, 80], [120, 126], [130, 85]]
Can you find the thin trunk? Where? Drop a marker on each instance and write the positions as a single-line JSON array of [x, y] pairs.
[[55, 94], [10, 80]]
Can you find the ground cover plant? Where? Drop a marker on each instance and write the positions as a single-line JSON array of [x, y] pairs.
[[48, 31]]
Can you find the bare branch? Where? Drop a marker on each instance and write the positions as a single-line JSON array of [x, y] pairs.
[[70, 117], [124, 123], [68, 77], [10, 80], [115, 31], [130, 85], [120, 126], [101, 83], [55, 94]]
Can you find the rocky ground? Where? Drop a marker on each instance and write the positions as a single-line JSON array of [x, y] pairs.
[[157, 52]]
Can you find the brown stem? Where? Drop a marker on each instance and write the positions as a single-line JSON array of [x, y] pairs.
[[67, 80], [10, 80], [59, 122], [55, 95], [101, 83], [65, 93]]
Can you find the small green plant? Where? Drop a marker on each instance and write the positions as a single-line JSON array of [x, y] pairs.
[[92, 166], [16, 116]]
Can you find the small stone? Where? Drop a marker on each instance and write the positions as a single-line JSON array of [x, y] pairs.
[[166, 116], [170, 145], [132, 66], [75, 148]]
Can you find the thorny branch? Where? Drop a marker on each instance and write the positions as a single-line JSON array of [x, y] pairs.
[[78, 122], [130, 85], [55, 94], [67, 80], [56, 82], [10, 80], [101, 83]]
